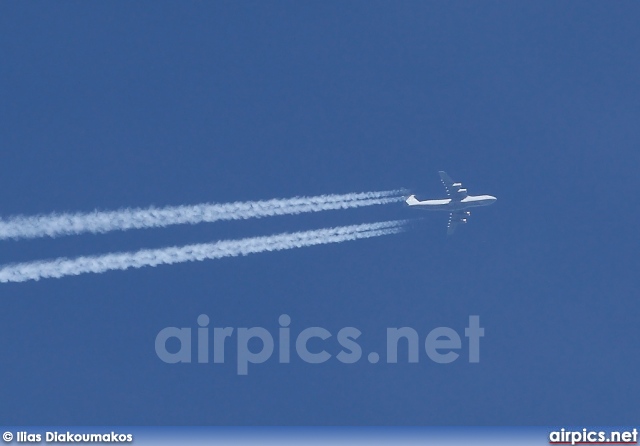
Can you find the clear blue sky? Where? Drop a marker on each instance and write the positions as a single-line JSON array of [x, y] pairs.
[[109, 104]]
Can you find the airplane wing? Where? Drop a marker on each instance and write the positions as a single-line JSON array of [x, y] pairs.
[[456, 218], [454, 190], [451, 227]]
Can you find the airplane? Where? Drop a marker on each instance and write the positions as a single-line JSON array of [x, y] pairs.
[[456, 204]]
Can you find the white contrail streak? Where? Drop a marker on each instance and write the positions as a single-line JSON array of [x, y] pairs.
[[55, 225], [61, 267]]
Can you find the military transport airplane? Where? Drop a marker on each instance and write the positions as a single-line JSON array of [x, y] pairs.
[[456, 204]]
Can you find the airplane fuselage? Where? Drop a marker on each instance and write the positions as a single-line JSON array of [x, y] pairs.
[[449, 205]]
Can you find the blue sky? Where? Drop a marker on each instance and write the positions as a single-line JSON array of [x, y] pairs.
[[109, 105]]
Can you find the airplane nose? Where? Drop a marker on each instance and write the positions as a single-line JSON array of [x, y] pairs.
[[493, 199]]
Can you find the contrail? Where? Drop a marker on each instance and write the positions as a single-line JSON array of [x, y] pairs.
[[61, 267], [55, 225]]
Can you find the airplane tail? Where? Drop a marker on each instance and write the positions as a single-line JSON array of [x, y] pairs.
[[411, 200]]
